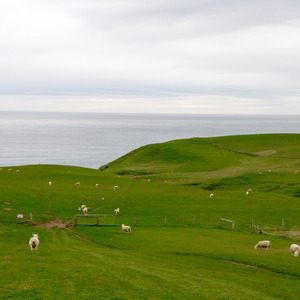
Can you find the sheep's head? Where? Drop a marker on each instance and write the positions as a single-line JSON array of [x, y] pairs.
[[35, 235], [296, 254]]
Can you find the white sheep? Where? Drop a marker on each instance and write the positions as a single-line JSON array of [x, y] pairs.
[[126, 229], [263, 244], [247, 193], [17, 171], [295, 249], [116, 211], [116, 187], [96, 185], [34, 242], [249, 190], [50, 183], [211, 195], [85, 210], [77, 183]]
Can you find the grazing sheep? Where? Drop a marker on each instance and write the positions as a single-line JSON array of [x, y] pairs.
[[295, 249], [211, 195], [249, 190], [96, 185], [77, 183], [116, 211], [50, 183], [116, 187], [17, 171], [247, 193], [34, 242], [263, 244], [126, 229], [85, 210]]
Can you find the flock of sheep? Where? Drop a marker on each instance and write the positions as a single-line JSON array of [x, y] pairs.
[[34, 241], [295, 249]]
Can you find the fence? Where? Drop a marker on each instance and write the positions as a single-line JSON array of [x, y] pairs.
[[98, 220]]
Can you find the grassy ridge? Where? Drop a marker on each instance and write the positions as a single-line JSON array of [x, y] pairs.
[[171, 179]]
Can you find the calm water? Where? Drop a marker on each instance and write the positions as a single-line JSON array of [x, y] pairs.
[[91, 140]]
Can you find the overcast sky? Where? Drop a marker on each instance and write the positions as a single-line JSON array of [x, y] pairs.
[[176, 56]]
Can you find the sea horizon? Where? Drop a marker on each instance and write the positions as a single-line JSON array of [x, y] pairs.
[[92, 139]]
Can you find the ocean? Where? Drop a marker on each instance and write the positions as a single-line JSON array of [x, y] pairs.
[[94, 139]]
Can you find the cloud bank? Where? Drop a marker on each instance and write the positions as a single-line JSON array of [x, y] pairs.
[[190, 56]]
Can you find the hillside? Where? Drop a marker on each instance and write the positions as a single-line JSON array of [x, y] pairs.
[[269, 162], [176, 249]]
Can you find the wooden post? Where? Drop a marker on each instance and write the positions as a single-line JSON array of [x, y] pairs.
[[233, 225], [257, 228], [194, 221], [282, 223], [97, 221], [165, 220], [135, 221]]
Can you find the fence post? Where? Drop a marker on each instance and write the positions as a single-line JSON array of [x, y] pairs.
[[282, 223], [257, 228], [165, 220], [233, 225], [135, 221], [193, 221], [97, 221]]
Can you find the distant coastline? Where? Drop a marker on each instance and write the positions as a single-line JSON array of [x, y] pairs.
[[93, 139]]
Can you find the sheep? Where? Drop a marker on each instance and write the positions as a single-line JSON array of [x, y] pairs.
[[116, 211], [96, 185], [85, 210], [126, 229], [50, 183], [116, 187], [263, 244], [17, 171], [77, 183], [249, 190], [247, 193], [34, 242], [211, 195], [295, 249]]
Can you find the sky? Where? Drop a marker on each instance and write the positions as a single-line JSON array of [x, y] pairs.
[[158, 56]]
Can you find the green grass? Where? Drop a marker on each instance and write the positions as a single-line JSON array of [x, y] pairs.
[[177, 261]]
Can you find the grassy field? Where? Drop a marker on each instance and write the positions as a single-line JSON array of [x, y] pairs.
[[190, 257]]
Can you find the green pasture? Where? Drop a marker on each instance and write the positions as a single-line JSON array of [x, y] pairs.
[[175, 250]]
